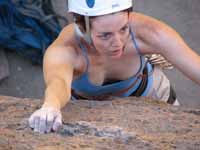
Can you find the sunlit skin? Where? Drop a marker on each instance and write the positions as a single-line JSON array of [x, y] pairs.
[[109, 40], [110, 33], [112, 56]]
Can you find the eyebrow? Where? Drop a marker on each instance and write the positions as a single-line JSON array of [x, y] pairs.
[[125, 25], [103, 33], [111, 32]]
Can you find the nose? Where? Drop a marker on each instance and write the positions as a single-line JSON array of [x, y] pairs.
[[117, 40]]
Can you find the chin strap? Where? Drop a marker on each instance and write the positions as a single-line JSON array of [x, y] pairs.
[[87, 35]]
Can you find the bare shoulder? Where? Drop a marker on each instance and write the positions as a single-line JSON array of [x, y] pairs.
[[151, 32], [143, 22], [58, 55], [66, 36], [64, 50]]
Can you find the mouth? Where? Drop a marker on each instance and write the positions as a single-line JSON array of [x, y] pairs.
[[116, 53]]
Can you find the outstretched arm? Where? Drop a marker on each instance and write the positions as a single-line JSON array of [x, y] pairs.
[[58, 74], [59, 64]]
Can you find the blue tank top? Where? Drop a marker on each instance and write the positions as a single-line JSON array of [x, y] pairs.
[[85, 86]]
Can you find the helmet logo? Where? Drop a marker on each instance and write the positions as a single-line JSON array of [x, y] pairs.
[[115, 5], [90, 3]]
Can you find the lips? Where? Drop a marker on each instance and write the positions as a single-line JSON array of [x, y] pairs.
[[116, 53]]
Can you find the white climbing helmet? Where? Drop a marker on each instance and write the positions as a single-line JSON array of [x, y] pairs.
[[98, 7]]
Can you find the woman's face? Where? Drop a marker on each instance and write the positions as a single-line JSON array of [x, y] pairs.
[[110, 33]]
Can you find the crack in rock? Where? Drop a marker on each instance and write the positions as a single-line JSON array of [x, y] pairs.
[[195, 112], [86, 128]]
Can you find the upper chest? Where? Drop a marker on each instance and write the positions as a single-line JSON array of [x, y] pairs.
[[101, 70]]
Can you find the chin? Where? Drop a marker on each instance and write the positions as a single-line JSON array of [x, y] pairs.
[[116, 57]]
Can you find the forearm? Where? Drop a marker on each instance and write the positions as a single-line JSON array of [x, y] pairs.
[[188, 62], [57, 94], [192, 68]]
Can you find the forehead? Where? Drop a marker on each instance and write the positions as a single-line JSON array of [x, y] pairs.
[[109, 23]]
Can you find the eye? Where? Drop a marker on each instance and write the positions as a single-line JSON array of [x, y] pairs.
[[124, 29], [105, 36]]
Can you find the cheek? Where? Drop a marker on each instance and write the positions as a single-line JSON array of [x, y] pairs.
[[125, 36], [101, 45]]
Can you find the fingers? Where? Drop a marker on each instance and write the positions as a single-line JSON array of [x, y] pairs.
[[36, 124], [45, 119], [57, 123], [50, 119], [42, 124], [31, 121]]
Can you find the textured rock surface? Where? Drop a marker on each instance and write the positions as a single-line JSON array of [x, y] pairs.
[[119, 124]]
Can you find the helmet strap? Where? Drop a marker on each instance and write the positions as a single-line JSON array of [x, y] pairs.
[[132, 5], [88, 32]]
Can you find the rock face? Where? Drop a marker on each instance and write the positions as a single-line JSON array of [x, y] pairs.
[[121, 124]]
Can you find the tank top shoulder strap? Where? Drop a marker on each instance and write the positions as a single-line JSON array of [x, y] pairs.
[[142, 57]]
